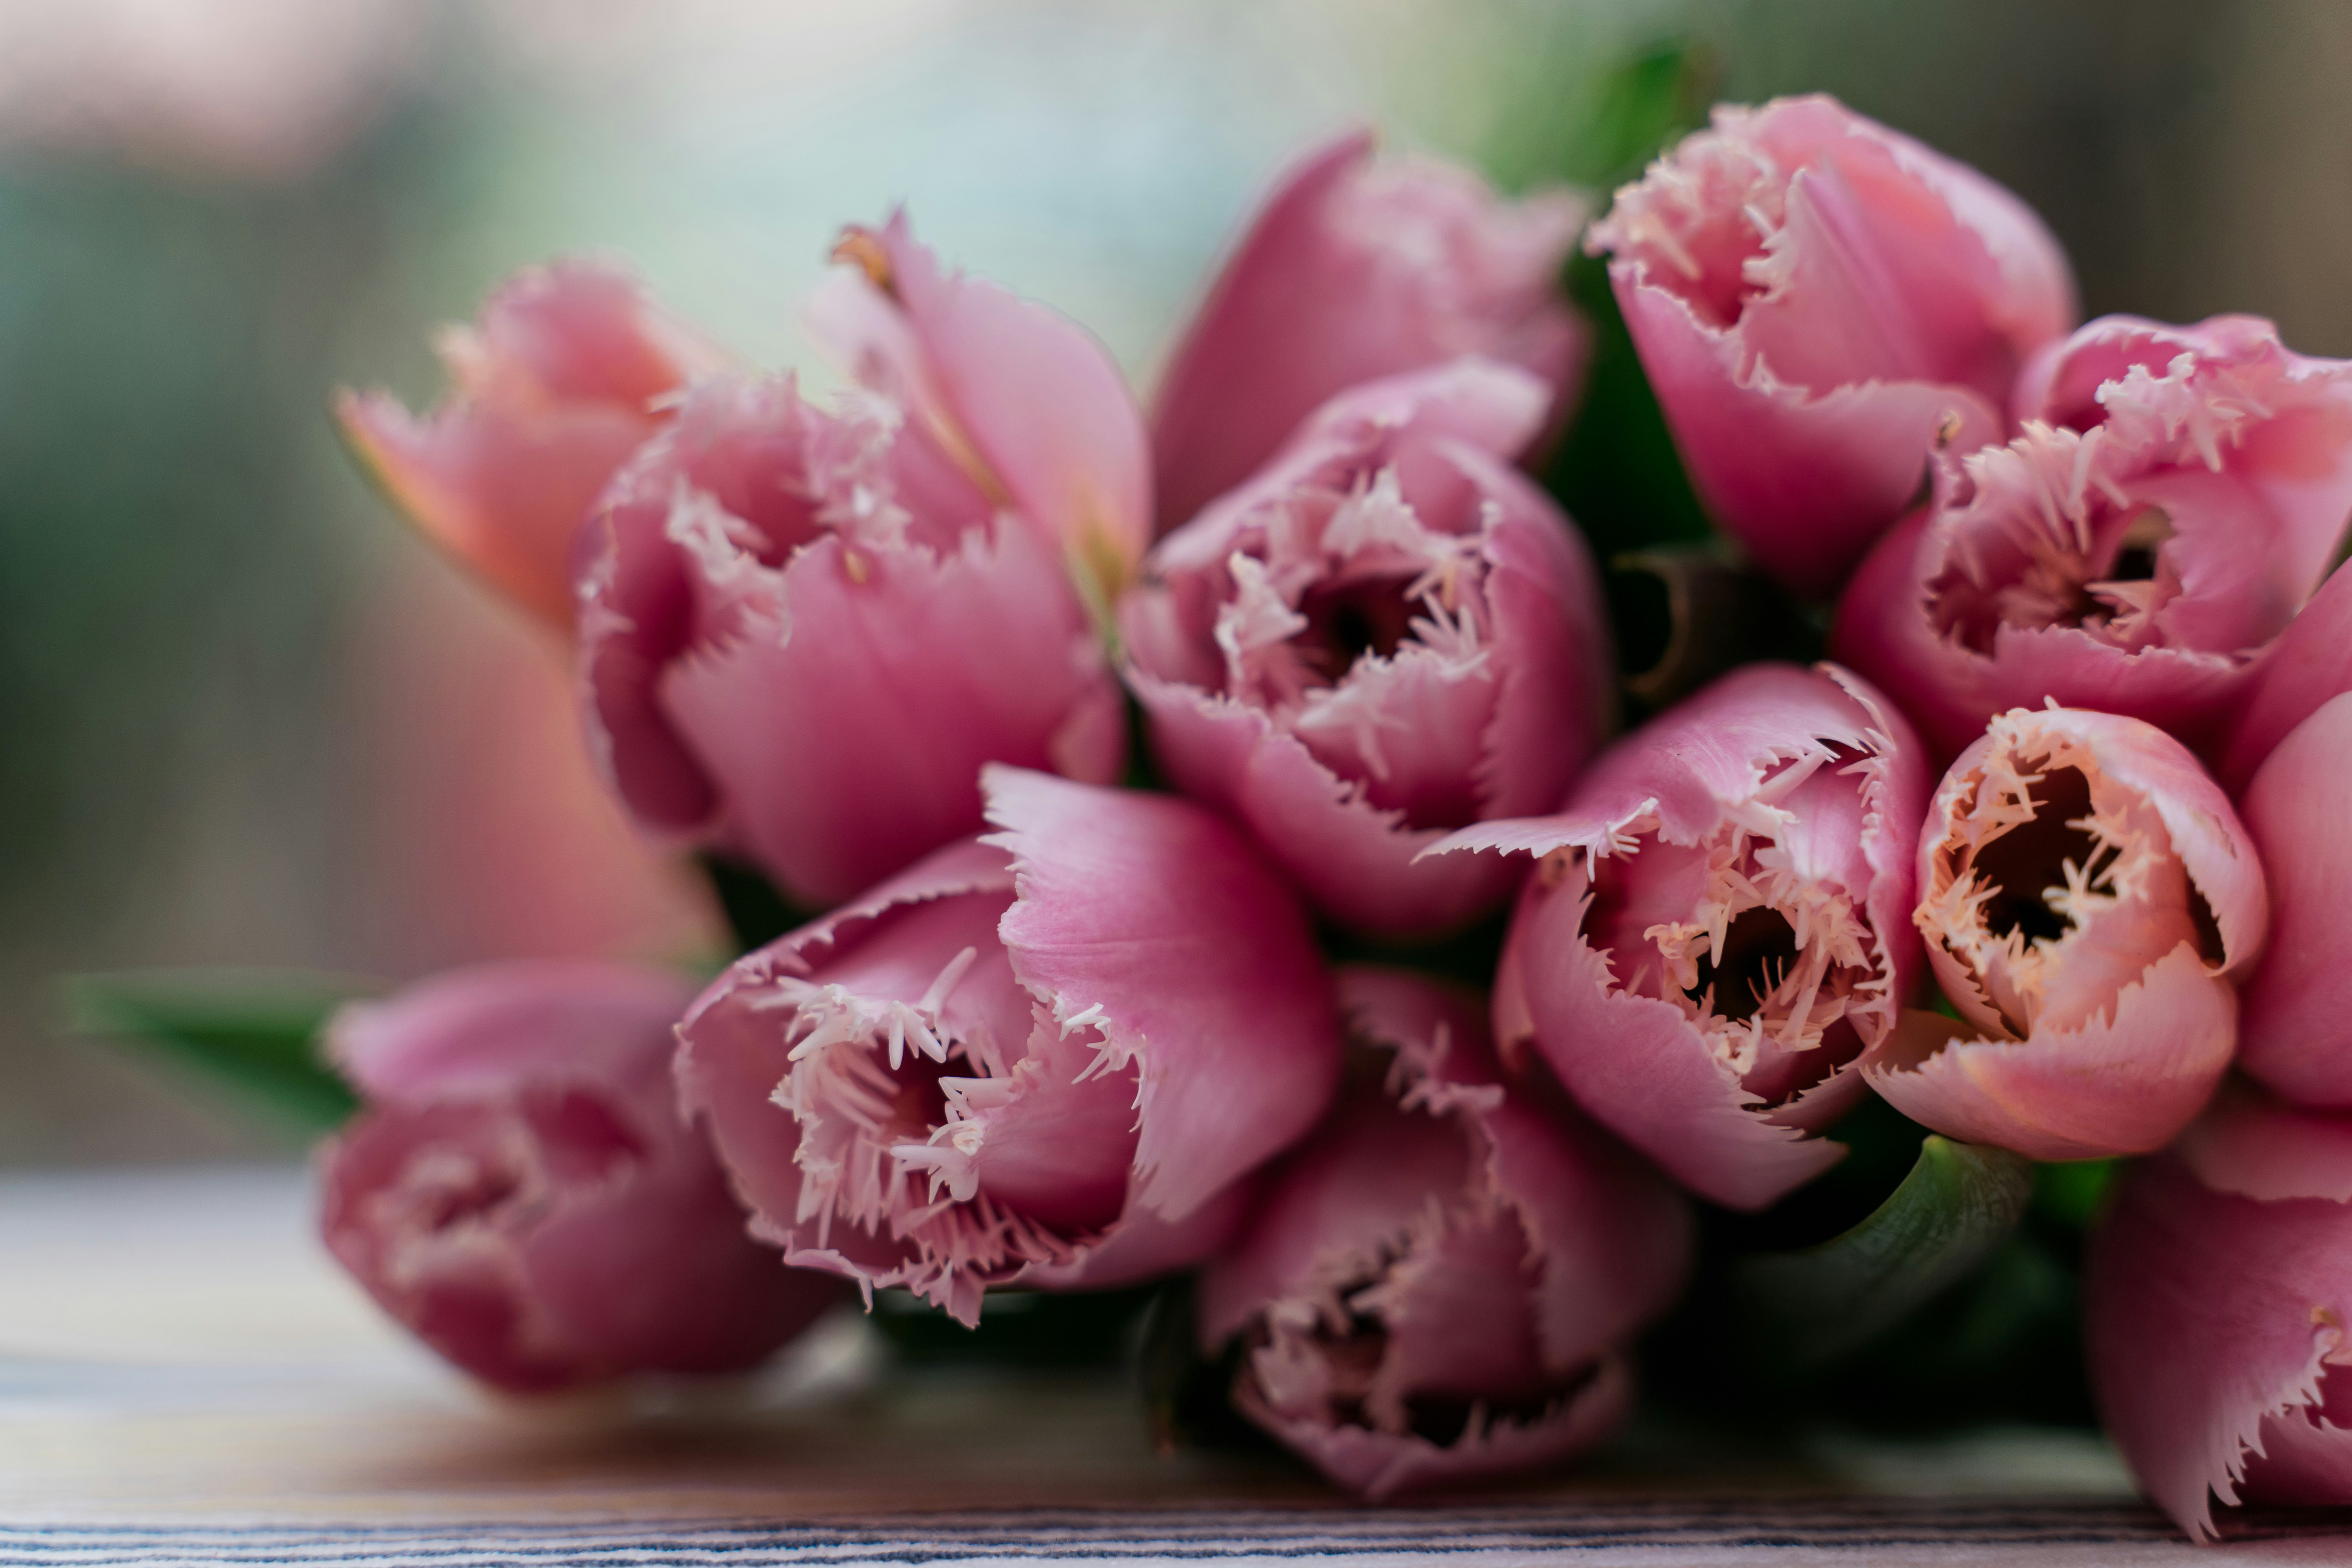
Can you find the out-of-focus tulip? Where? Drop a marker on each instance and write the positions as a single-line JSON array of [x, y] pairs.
[[2295, 1021], [2214, 1299], [1719, 925], [523, 1192], [2310, 663], [2175, 495], [2088, 896], [1353, 271], [1386, 634], [1048, 1056], [566, 372], [1820, 303], [1441, 1283], [802, 634], [1023, 401]]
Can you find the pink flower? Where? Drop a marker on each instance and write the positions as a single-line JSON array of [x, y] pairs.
[[1353, 271], [1049, 1056], [2310, 663], [1820, 303], [2214, 1301], [2088, 896], [1443, 1281], [1022, 400], [1387, 634], [804, 633], [1718, 925], [2176, 493], [524, 1192], [566, 372], [2292, 1017]]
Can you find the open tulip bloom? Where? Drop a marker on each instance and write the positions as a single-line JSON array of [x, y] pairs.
[[2088, 896], [1718, 926], [1110, 745]]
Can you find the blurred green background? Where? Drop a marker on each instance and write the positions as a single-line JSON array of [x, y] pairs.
[[245, 719]]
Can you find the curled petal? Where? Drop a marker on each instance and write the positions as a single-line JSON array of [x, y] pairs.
[[564, 376], [2310, 664], [1023, 398], [2291, 1032], [2215, 1322], [1351, 273], [1718, 925]]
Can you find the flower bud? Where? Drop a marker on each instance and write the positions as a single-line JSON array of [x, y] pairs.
[[522, 1192], [566, 372], [1821, 304], [1022, 400], [1719, 927], [1441, 1283], [2175, 494], [1047, 1056], [1387, 634], [2214, 1300], [2293, 1008], [2309, 663], [1353, 271], [801, 634], [2087, 895]]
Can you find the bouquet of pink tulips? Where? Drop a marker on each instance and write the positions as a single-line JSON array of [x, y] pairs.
[[1256, 845]]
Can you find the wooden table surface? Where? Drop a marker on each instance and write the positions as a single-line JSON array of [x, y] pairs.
[[184, 1378]]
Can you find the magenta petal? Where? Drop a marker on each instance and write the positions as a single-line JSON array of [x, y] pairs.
[[1149, 917], [978, 364], [2291, 1033], [1352, 272], [553, 387], [2215, 1323]]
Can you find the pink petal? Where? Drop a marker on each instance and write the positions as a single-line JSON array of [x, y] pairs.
[[2123, 1085], [2213, 1321], [553, 387], [2291, 1032], [1154, 912], [2310, 663], [1350, 273], [982, 368]]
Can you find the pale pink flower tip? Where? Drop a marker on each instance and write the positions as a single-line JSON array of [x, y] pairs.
[[1718, 925], [567, 371], [2088, 896], [1051, 1055], [1442, 1282]]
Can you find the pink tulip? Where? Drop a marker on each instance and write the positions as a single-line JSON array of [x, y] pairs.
[[2175, 494], [1443, 1281], [2088, 896], [2214, 1300], [2295, 1008], [1353, 271], [2310, 663], [1386, 634], [804, 633], [524, 1194], [566, 372], [1026, 404], [1047, 1056], [1822, 303], [1718, 925]]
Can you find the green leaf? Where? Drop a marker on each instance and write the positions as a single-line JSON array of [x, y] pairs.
[[2069, 1194], [1959, 1203], [252, 1032]]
